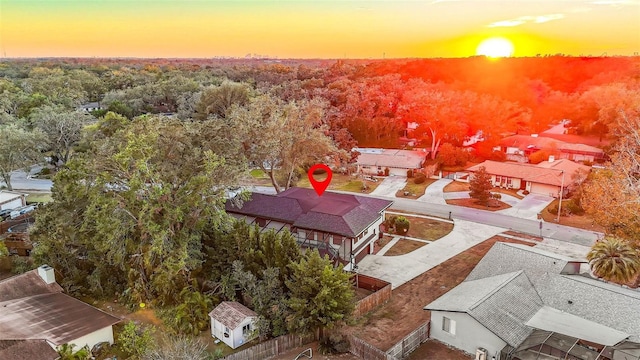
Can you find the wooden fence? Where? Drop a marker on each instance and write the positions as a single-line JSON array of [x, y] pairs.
[[273, 347], [410, 342], [381, 293], [364, 350]]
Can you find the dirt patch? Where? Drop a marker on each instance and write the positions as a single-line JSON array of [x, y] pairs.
[[578, 221], [380, 243], [291, 354], [388, 324], [404, 246], [433, 349], [494, 205]]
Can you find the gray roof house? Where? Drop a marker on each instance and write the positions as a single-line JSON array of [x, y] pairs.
[[524, 303], [375, 161]]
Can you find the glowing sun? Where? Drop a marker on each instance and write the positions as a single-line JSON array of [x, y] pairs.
[[495, 47]]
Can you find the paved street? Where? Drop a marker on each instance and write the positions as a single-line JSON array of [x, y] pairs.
[[20, 180]]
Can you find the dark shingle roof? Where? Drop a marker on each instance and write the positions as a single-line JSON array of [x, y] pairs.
[[27, 349], [342, 214], [27, 284], [231, 313], [56, 317]]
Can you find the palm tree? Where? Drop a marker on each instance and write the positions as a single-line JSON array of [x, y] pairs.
[[615, 260]]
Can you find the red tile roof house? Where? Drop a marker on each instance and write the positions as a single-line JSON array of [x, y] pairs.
[[547, 178], [233, 323], [34, 311], [519, 147], [344, 226], [375, 161]]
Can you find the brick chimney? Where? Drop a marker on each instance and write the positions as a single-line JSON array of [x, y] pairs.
[[47, 274]]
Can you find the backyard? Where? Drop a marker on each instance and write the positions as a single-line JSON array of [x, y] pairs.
[[388, 324]]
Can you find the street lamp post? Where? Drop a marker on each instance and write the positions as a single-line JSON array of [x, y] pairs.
[[561, 193]]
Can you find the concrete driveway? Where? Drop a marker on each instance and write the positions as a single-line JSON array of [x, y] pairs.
[[529, 207], [434, 193], [390, 185], [399, 269]]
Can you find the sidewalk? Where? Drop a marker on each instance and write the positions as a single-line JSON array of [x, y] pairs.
[[399, 269]]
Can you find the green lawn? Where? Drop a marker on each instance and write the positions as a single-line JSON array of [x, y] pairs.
[[415, 190], [258, 174], [39, 197], [427, 229]]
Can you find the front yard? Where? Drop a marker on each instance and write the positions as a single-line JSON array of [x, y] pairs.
[[413, 190]]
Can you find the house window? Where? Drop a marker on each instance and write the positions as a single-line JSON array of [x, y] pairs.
[[448, 325], [508, 182], [246, 330], [498, 179]]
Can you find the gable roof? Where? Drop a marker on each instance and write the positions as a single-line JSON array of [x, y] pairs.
[[550, 173], [607, 304], [524, 142], [231, 313], [342, 214], [501, 303], [27, 349], [506, 258], [56, 317], [24, 285], [406, 159], [498, 296]]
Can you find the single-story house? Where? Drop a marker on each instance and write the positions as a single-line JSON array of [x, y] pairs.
[[11, 200], [546, 178], [233, 323], [33, 307], [374, 161], [520, 147], [521, 303], [27, 349], [344, 226]]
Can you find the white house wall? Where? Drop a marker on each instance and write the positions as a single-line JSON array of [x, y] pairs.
[[12, 204], [544, 189], [103, 335], [237, 337], [217, 331], [469, 333]]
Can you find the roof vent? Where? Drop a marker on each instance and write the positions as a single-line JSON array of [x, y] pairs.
[[46, 273]]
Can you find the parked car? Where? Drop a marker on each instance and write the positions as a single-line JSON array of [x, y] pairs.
[[5, 214], [22, 210]]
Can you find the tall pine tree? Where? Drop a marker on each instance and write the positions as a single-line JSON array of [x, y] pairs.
[[480, 186]]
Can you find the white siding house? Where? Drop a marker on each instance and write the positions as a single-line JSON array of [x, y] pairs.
[[11, 200], [233, 323], [463, 332]]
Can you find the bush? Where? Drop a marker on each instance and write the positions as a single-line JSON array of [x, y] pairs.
[[334, 344], [135, 340], [386, 171], [419, 178], [402, 225], [410, 173], [496, 196], [573, 207]]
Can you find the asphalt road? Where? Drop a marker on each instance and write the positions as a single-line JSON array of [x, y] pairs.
[[20, 180], [527, 226]]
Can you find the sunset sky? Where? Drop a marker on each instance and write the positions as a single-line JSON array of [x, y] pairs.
[[314, 29]]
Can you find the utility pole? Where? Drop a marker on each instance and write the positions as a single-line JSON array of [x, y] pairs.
[[561, 193]]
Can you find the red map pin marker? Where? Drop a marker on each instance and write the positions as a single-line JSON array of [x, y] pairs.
[[320, 186]]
